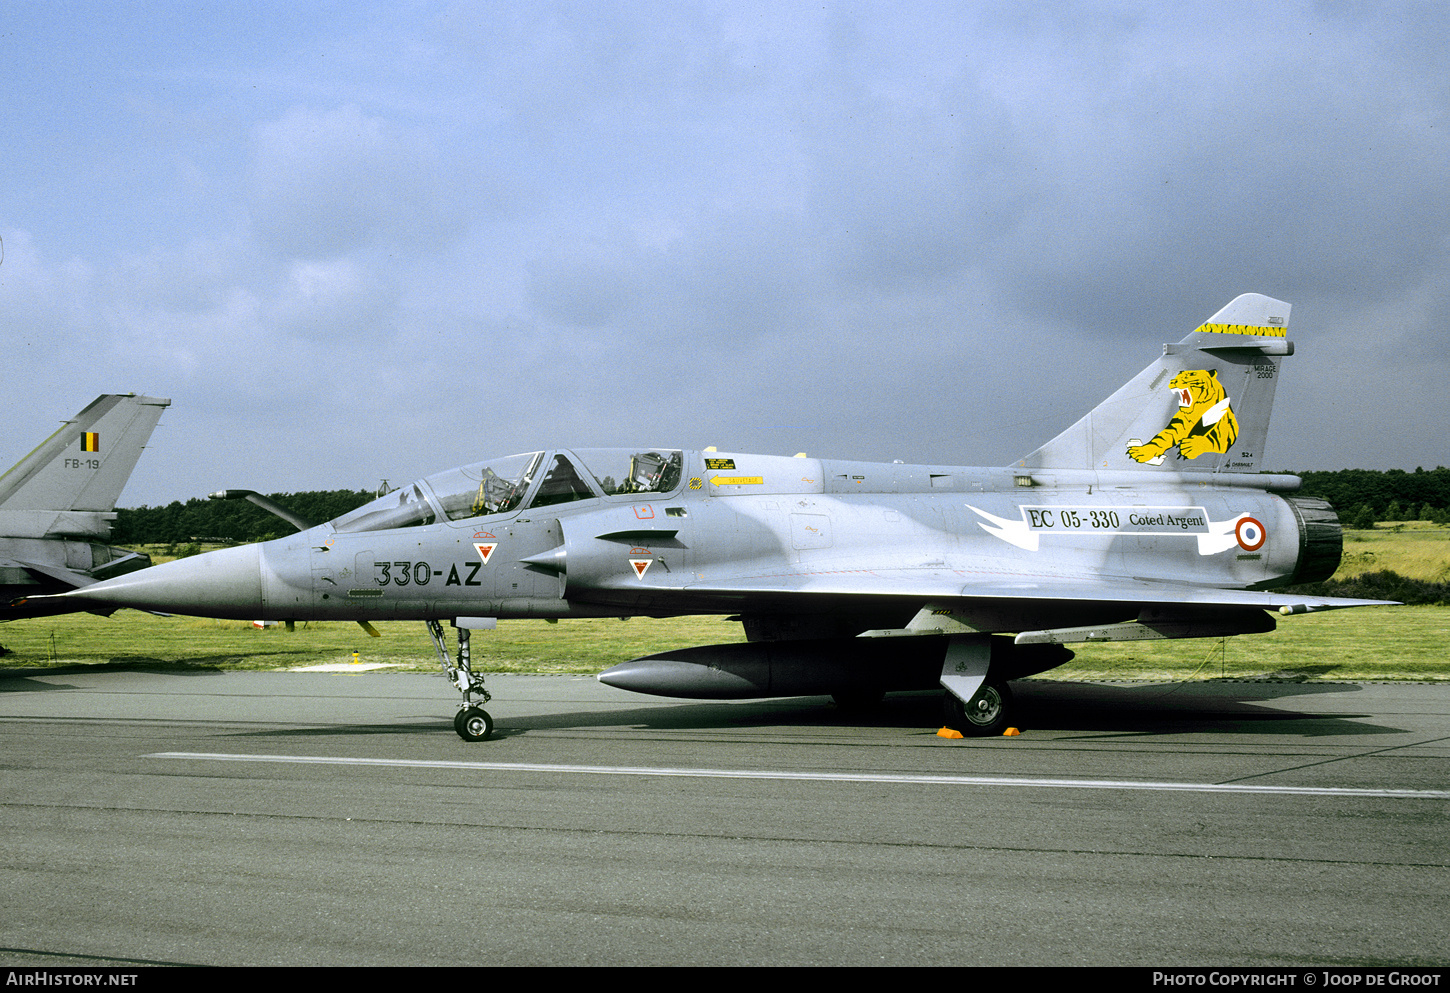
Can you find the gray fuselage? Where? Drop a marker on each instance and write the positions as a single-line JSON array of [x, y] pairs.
[[784, 530]]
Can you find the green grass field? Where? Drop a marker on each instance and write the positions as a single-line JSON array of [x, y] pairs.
[[131, 638], [1415, 550], [1367, 644], [1373, 643]]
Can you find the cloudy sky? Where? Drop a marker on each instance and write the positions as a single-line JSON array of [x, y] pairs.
[[362, 240]]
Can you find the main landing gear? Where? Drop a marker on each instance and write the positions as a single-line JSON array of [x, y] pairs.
[[978, 702], [988, 713], [471, 722]]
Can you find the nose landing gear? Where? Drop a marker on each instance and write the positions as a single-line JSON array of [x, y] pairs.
[[471, 722]]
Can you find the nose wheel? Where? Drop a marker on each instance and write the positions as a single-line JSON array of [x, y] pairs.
[[471, 722]]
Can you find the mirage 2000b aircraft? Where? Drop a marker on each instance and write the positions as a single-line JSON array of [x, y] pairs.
[[1148, 518]]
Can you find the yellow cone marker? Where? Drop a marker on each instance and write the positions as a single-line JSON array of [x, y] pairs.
[[948, 733], [354, 657], [1011, 733]]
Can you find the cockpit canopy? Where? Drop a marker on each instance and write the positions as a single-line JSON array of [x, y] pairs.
[[518, 482]]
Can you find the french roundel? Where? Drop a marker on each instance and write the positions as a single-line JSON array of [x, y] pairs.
[[1250, 533]]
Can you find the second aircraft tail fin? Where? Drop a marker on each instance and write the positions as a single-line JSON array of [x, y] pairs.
[[1203, 406], [85, 465]]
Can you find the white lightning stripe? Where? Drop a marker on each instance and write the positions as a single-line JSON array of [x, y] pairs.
[[1015, 532], [826, 777]]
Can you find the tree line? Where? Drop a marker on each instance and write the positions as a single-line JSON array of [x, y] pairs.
[[1362, 497], [232, 521]]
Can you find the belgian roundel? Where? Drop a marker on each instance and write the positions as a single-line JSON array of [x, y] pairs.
[[1250, 533]]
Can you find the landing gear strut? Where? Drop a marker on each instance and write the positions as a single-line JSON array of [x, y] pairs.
[[471, 722]]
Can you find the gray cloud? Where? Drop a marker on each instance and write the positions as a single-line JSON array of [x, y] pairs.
[[325, 184], [914, 231]]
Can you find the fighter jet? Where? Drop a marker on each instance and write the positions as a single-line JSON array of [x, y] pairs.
[[1149, 518], [57, 503]]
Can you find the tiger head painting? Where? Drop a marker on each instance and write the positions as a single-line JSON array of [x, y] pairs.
[[1205, 422]]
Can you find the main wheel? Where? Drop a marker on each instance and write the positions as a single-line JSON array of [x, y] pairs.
[[473, 724], [989, 713]]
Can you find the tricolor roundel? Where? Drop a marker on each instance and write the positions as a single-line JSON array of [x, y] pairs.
[[1250, 533]]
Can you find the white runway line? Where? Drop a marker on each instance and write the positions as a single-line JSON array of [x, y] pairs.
[[827, 777]]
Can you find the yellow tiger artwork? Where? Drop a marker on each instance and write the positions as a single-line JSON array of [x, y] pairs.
[[1205, 421]]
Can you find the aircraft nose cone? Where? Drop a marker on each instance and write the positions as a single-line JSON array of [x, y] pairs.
[[224, 583]]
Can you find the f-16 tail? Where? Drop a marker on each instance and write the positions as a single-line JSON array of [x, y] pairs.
[[1202, 407], [57, 504], [84, 466]]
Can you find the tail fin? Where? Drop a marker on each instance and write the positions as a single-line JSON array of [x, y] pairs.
[[1202, 407], [84, 465]]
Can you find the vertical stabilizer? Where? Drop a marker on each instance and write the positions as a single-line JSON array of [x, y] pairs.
[[84, 465], [1203, 406]]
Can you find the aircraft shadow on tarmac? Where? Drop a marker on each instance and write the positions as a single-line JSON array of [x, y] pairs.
[[1205, 707], [1214, 706], [29, 681]]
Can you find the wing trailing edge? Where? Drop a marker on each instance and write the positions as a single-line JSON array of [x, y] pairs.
[[949, 588]]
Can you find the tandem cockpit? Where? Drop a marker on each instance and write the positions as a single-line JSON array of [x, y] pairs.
[[519, 482]]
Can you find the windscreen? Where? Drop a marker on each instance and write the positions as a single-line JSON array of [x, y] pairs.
[[402, 508], [494, 487]]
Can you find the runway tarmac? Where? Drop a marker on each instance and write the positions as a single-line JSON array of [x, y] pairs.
[[256, 818]]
